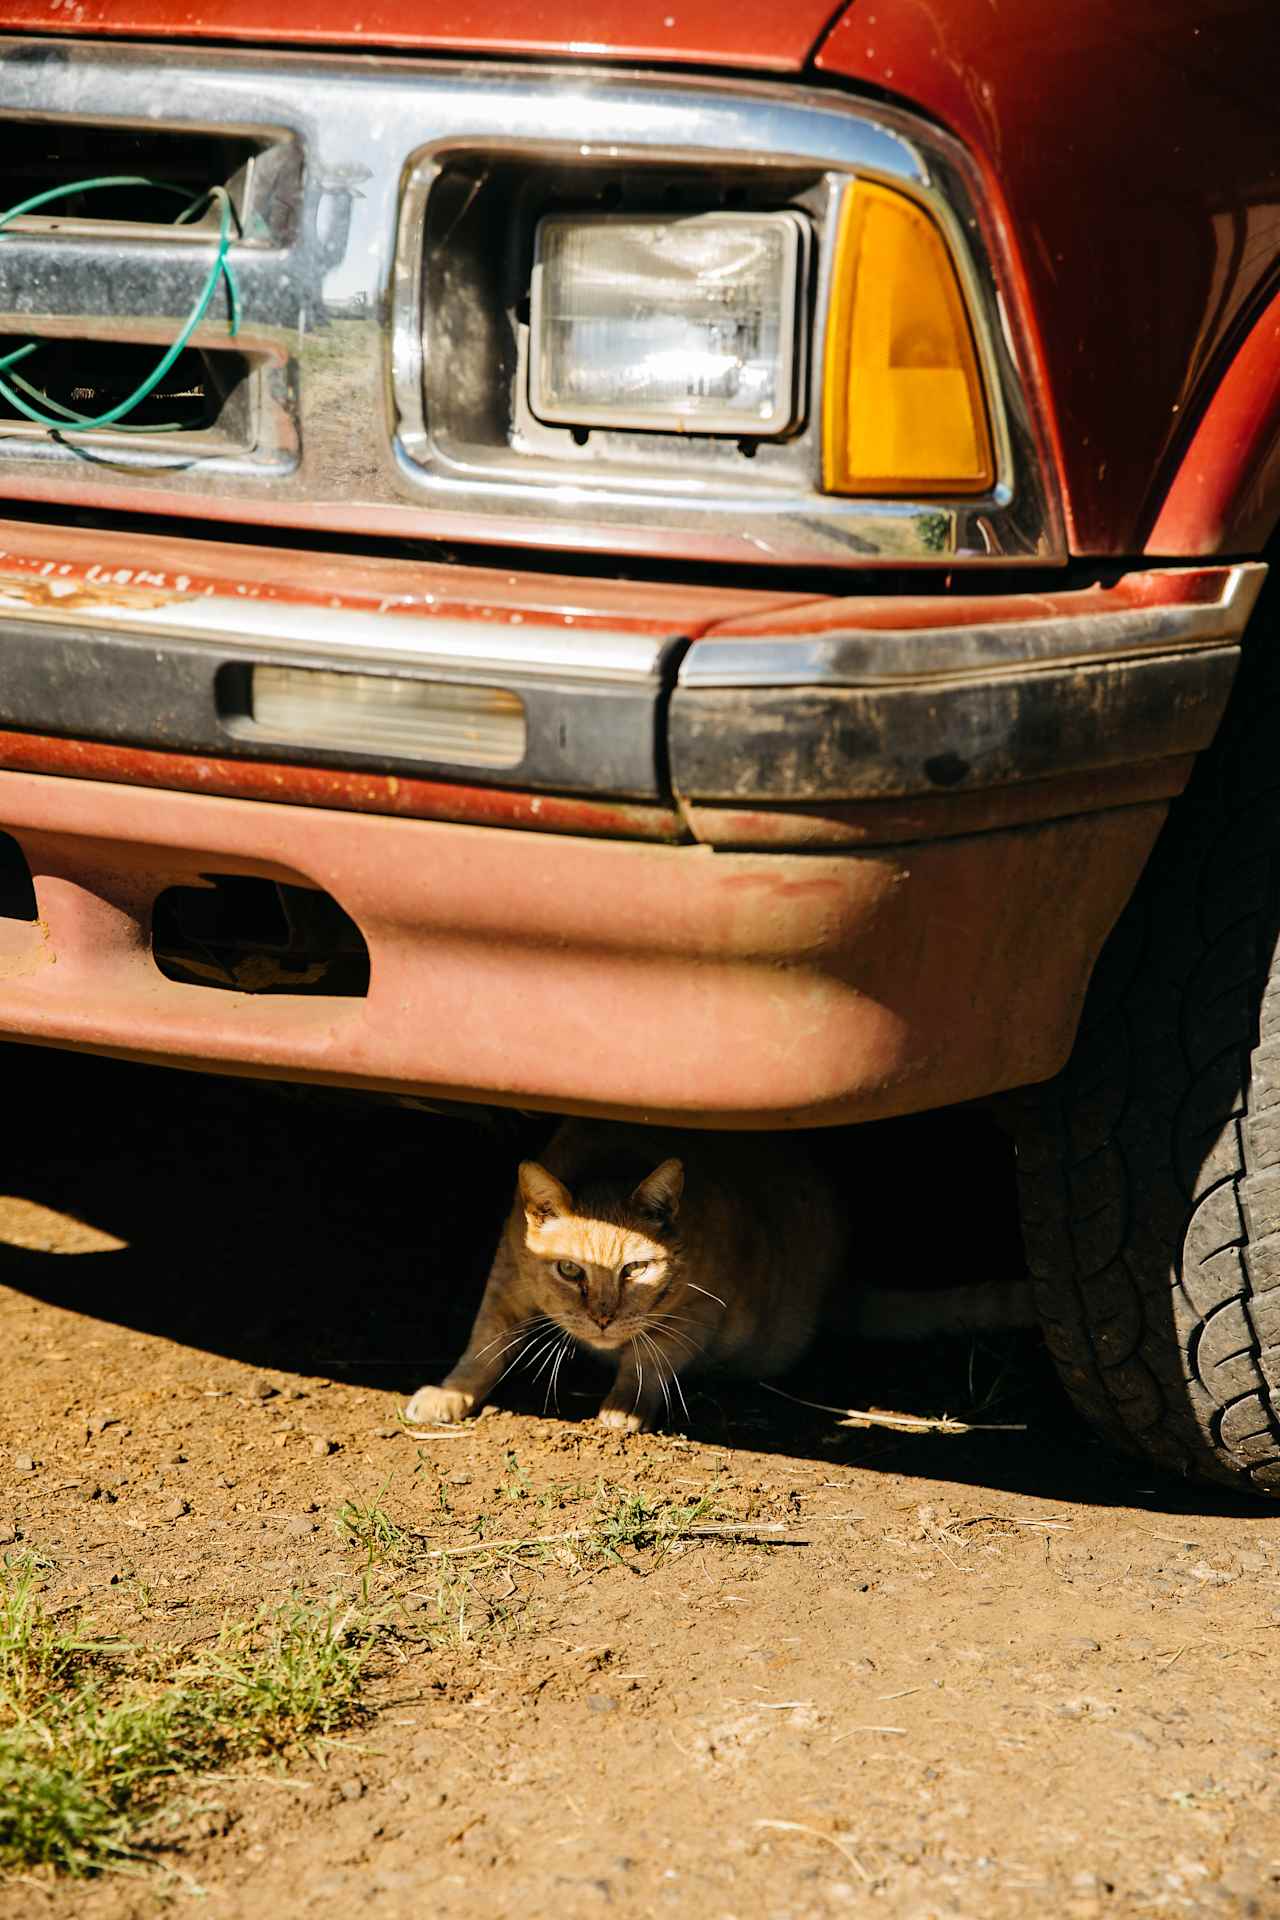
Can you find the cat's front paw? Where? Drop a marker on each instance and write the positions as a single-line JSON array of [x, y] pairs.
[[624, 1419], [437, 1406]]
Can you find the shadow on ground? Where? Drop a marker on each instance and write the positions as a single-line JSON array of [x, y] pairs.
[[332, 1236]]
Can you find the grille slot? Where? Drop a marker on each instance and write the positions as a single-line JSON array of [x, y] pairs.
[[40, 155], [208, 392]]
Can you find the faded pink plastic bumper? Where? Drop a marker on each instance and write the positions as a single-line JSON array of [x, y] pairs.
[[553, 971]]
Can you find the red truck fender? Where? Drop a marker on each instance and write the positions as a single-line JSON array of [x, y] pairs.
[[1225, 495]]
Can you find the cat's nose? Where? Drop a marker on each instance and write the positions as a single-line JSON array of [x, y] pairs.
[[601, 1315]]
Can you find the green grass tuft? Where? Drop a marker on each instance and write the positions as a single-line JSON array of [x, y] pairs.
[[93, 1732]]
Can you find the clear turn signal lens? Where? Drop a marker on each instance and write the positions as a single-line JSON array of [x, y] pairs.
[[903, 407], [375, 713]]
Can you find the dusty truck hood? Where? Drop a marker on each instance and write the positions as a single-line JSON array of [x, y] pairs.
[[748, 33]]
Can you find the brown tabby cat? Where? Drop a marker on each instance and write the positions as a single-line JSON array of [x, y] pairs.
[[663, 1251]]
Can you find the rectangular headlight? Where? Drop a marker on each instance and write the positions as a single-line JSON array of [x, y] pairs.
[[375, 713], [690, 324]]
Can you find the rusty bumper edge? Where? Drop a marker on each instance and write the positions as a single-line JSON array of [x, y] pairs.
[[654, 982], [752, 706]]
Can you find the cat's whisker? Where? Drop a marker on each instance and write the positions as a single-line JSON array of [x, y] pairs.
[[710, 1296], [518, 1332], [640, 1369], [552, 1387], [674, 1375], [557, 1357], [550, 1353], [545, 1348], [674, 1333], [657, 1354], [525, 1344], [674, 1320]]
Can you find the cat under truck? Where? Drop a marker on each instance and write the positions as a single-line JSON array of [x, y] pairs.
[[711, 573]]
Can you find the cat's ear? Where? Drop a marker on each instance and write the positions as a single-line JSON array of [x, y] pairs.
[[659, 1195], [541, 1193]]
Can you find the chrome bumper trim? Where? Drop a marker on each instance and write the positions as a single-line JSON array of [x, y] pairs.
[[918, 655], [472, 649]]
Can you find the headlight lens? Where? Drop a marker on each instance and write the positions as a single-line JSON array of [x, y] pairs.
[[903, 405], [688, 324]]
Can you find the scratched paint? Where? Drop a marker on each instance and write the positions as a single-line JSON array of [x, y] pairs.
[[335, 787]]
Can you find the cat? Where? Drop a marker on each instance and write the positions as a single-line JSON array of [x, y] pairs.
[[660, 1251]]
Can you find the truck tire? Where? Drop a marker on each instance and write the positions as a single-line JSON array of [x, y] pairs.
[[1149, 1170]]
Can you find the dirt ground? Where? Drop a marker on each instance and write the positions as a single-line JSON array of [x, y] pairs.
[[985, 1674]]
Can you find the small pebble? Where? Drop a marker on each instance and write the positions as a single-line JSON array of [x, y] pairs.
[[1081, 1643], [175, 1459], [601, 1703], [23, 1463], [8, 1534], [299, 1523], [174, 1509], [99, 1422], [321, 1447], [351, 1789], [262, 1390], [458, 1479]]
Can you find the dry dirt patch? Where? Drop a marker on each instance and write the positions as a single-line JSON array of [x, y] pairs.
[[909, 1674]]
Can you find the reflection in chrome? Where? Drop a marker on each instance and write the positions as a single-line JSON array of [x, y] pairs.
[[895, 656]]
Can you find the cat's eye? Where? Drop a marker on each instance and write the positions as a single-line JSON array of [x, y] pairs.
[[568, 1270], [634, 1268]]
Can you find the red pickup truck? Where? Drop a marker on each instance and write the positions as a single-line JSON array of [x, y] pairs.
[[670, 561]]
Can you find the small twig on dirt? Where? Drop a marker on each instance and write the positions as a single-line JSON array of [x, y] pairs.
[[1051, 1524], [741, 1530], [850, 1731], [252, 1780], [901, 1422], [815, 1833]]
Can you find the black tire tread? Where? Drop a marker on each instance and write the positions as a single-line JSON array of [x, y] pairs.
[[1149, 1170]]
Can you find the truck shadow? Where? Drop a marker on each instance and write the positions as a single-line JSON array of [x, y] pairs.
[[338, 1238]]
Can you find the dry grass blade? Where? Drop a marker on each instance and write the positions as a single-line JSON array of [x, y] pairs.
[[772, 1531], [815, 1833], [901, 1422]]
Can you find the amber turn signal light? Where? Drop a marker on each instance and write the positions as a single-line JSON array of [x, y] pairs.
[[903, 408]]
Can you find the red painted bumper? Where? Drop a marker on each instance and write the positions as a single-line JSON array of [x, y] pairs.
[[551, 971], [714, 954]]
